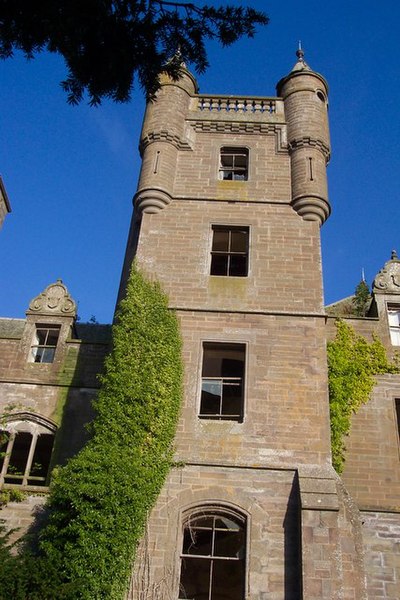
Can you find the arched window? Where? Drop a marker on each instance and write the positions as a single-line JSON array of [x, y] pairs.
[[26, 444], [213, 556]]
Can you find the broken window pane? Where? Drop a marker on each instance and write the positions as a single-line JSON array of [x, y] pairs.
[[19, 457], [44, 344], [41, 459], [233, 164], [219, 573], [222, 381], [195, 579]]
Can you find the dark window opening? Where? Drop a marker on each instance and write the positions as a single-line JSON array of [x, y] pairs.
[[230, 251], [397, 405], [213, 558], [222, 389], [233, 164], [44, 344], [25, 458]]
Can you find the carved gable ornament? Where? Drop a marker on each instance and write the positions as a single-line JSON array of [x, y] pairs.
[[55, 300], [388, 279]]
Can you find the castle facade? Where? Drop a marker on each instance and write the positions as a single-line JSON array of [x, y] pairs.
[[227, 216]]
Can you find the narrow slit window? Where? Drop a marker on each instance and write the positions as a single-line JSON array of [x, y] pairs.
[[230, 251], [222, 389], [213, 558], [44, 344], [234, 164]]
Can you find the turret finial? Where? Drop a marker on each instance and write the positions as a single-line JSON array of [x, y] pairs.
[[301, 64], [178, 53], [300, 52], [177, 59], [394, 255]]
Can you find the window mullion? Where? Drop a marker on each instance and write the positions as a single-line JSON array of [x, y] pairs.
[[228, 264], [211, 580], [30, 458], [7, 456], [212, 561], [220, 398]]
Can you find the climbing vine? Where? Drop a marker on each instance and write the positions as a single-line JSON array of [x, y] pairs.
[[352, 364], [99, 502]]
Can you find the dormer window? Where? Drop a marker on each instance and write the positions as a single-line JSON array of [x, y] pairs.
[[44, 343], [234, 164], [394, 323]]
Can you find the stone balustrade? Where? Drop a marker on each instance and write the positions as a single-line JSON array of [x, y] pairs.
[[249, 104]]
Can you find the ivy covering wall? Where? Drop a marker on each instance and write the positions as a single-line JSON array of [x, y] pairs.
[[99, 502], [352, 364]]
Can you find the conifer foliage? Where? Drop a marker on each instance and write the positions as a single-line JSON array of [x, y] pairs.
[[361, 297], [99, 502], [106, 44]]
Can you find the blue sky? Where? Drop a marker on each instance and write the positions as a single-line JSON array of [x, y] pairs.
[[71, 172]]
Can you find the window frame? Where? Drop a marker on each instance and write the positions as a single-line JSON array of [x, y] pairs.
[[220, 416], [214, 511], [42, 350], [229, 253], [396, 407], [35, 427], [235, 152], [394, 330]]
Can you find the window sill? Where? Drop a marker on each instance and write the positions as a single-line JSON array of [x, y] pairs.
[[35, 489]]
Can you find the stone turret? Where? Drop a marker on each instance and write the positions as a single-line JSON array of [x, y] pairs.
[[163, 135], [305, 96]]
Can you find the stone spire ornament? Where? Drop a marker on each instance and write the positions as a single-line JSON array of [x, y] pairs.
[[301, 64]]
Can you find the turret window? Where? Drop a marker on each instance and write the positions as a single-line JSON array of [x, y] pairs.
[[222, 388], [233, 164], [230, 251], [394, 324]]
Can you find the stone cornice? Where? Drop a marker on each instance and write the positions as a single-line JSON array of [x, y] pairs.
[[310, 142], [163, 136], [244, 128]]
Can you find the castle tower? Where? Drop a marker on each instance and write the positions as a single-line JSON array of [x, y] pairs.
[[230, 200]]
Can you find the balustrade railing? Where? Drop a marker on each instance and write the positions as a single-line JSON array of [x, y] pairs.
[[237, 105]]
